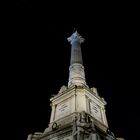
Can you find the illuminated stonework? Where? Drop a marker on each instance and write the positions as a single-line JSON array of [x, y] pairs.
[[78, 112]]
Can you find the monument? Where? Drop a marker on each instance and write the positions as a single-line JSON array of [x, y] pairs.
[[78, 112]]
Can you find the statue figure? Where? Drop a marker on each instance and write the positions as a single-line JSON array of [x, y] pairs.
[[62, 89], [74, 130], [83, 117], [77, 128], [80, 124]]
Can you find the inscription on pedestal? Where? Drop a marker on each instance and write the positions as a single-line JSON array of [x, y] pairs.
[[95, 111], [63, 109]]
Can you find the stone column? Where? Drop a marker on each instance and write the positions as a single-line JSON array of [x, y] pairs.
[[104, 116], [53, 113], [77, 73], [29, 137]]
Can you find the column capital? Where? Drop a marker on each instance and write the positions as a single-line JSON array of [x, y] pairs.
[[75, 37]]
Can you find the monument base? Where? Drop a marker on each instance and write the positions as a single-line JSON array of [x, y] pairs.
[[77, 126]]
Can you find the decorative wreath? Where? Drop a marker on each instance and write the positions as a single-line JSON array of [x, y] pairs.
[[54, 126]]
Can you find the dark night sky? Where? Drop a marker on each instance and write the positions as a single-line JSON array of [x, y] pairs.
[[36, 60]]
